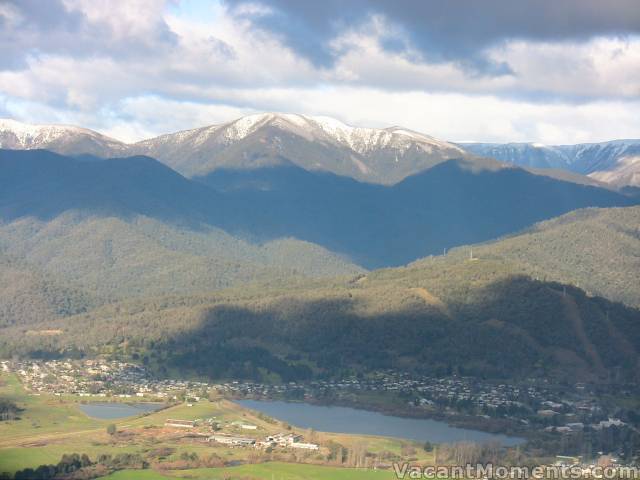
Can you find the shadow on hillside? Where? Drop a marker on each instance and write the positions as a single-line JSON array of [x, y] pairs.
[[508, 328], [448, 205], [453, 203]]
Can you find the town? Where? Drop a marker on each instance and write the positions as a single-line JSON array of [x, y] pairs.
[[526, 406]]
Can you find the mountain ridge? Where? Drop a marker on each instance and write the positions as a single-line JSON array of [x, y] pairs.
[[378, 155], [453, 203], [614, 162], [367, 154], [489, 318], [135, 243]]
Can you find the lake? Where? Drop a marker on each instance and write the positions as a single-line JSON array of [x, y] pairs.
[[110, 411], [351, 420]]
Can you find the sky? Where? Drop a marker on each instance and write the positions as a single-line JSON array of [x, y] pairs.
[[549, 71]]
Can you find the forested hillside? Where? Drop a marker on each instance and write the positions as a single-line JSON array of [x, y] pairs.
[[114, 258], [119, 228], [596, 249], [476, 316], [454, 203], [29, 296], [133, 227]]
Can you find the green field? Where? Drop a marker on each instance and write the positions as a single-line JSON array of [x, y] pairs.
[[266, 471], [50, 426]]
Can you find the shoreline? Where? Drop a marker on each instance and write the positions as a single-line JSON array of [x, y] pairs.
[[453, 421]]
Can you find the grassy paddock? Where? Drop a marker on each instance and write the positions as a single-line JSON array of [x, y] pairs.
[[262, 471], [50, 426]]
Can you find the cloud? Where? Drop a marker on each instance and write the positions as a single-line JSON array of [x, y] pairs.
[[136, 68], [443, 30], [455, 117], [81, 28]]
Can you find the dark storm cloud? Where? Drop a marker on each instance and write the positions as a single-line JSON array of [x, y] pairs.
[[22, 23], [33, 27], [446, 30]]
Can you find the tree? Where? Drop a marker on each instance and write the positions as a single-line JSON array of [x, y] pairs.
[[85, 461], [111, 429]]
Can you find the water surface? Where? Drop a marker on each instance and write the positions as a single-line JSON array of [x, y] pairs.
[[364, 422]]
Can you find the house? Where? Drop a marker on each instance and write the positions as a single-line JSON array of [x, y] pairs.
[[612, 422], [547, 413], [576, 426], [306, 446], [231, 440], [284, 439], [179, 423], [244, 426]]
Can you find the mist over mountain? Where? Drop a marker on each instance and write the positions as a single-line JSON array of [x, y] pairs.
[[44, 184], [254, 202]]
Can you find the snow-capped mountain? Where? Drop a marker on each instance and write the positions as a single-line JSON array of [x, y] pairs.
[[625, 172], [611, 162], [533, 155], [378, 155], [64, 139], [314, 143], [588, 158]]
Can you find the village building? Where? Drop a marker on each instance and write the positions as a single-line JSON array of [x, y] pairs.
[[306, 446], [231, 440], [179, 423]]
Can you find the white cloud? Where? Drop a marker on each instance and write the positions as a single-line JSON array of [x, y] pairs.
[[602, 67], [140, 69], [455, 117]]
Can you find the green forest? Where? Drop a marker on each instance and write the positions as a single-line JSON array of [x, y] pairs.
[[468, 314]]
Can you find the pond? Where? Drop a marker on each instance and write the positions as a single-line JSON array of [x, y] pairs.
[[110, 411], [364, 422]]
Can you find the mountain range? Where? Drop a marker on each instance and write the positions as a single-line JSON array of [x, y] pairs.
[[313, 143], [616, 162], [250, 246], [375, 155], [453, 203], [481, 315]]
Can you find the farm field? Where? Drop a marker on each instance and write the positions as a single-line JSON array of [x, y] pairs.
[[52, 426], [266, 471]]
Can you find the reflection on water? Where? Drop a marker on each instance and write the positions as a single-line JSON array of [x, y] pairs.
[[351, 420]]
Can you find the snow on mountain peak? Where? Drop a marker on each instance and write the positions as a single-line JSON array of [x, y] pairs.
[[28, 134], [358, 139]]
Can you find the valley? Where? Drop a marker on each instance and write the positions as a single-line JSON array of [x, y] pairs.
[[177, 438], [297, 240], [455, 289]]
